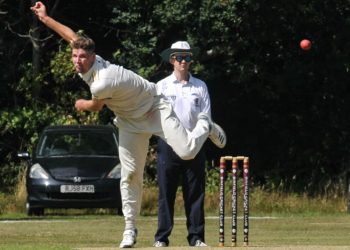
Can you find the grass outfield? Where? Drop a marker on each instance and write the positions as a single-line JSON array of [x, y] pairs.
[[105, 231]]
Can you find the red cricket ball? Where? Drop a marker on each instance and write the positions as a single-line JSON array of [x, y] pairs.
[[305, 44]]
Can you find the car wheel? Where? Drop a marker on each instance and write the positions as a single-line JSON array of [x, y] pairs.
[[348, 189], [34, 211], [119, 211]]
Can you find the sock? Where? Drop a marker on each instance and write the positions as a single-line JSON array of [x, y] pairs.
[[129, 224]]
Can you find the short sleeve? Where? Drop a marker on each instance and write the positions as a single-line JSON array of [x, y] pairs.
[[101, 90]]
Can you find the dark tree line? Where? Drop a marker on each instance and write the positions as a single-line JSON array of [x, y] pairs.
[[285, 108]]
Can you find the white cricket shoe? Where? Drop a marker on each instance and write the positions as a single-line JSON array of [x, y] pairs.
[[200, 243], [217, 134], [129, 238], [160, 244]]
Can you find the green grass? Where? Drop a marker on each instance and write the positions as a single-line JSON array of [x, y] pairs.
[[105, 232], [278, 221]]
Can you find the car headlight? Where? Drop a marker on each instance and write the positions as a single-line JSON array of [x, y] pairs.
[[115, 173], [37, 172]]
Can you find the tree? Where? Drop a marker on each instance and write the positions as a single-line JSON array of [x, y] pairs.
[[284, 107]]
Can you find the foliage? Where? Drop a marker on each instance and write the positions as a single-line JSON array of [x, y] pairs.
[[284, 107]]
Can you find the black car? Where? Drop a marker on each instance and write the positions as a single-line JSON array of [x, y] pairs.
[[75, 166]]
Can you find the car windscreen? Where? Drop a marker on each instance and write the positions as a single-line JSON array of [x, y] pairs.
[[79, 142]]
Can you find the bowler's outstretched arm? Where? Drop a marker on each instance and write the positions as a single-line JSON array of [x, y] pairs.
[[65, 32]]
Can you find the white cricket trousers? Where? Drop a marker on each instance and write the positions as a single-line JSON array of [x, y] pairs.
[[134, 135]]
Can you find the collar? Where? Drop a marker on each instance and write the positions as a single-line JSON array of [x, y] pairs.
[[88, 76], [174, 80]]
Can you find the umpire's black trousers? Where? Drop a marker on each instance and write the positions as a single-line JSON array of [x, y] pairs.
[[171, 171]]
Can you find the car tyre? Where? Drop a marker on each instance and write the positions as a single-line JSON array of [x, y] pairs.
[[348, 190], [119, 211], [34, 211]]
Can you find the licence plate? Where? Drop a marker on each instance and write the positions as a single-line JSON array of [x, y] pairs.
[[77, 189]]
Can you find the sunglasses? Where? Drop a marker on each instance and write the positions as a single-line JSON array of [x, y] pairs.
[[187, 58]]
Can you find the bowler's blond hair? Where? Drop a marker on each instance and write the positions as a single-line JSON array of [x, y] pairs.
[[84, 43]]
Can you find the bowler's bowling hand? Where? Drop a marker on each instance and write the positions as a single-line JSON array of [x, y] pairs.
[[39, 9]]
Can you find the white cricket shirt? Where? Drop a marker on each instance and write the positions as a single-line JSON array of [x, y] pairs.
[[127, 94], [188, 100]]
